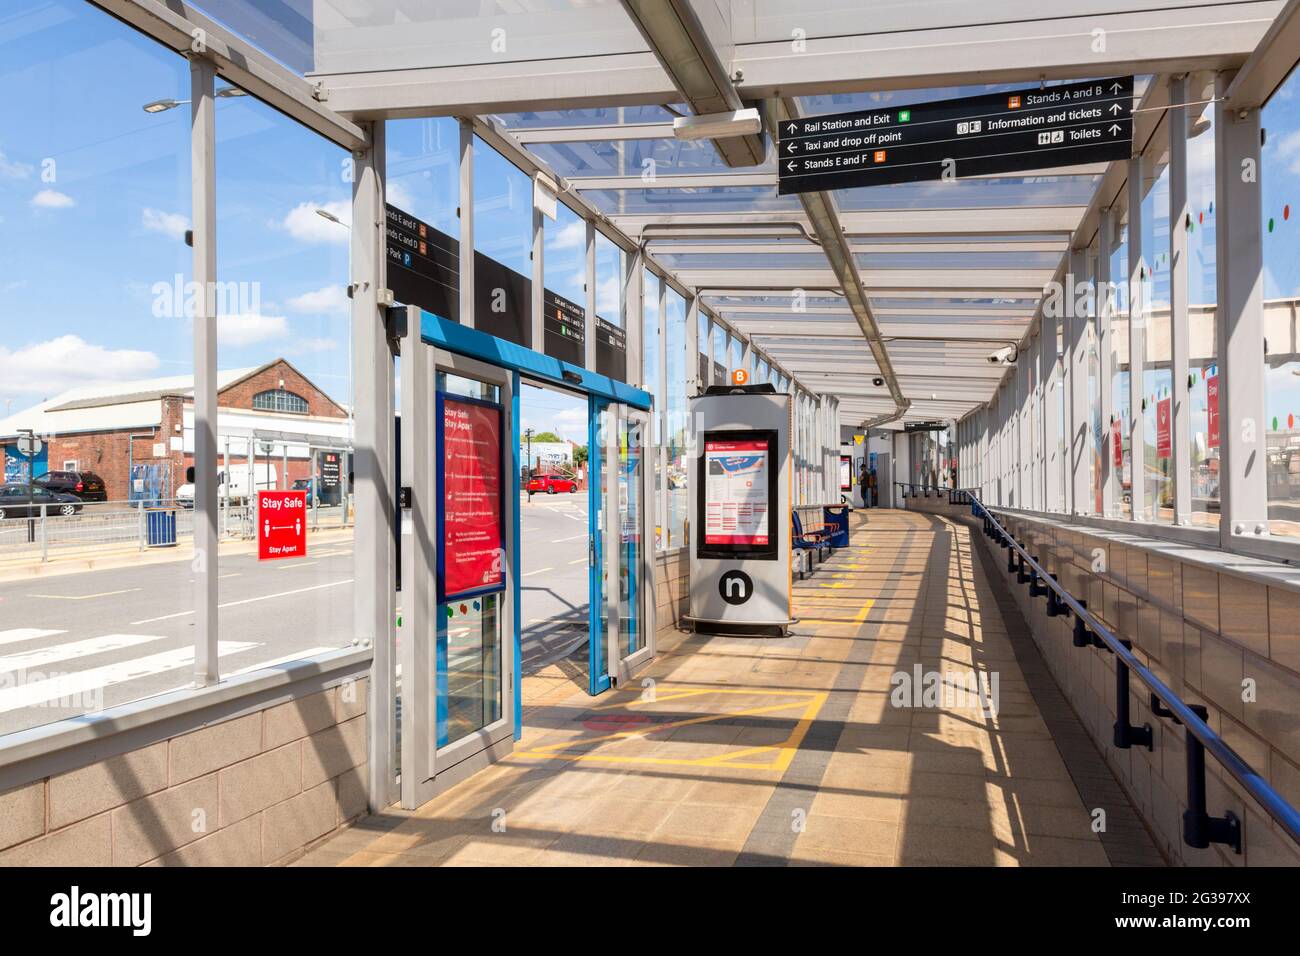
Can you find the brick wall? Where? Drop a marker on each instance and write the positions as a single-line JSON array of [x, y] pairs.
[[109, 453], [248, 791], [1202, 631]]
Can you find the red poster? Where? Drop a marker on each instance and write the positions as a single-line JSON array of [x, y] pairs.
[[471, 558], [1164, 429], [1117, 444], [281, 524], [1212, 405]]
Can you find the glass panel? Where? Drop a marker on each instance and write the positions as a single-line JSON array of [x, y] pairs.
[[675, 345], [631, 450], [609, 281], [1202, 299], [503, 210], [565, 255], [94, 285], [284, 328], [423, 158], [1281, 289], [1119, 364], [1157, 382], [599, 443], [469, 631]]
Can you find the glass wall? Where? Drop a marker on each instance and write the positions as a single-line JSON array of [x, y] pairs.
[[653, 383], [423, 157], [1157, 382], [675, 418], [564, 255], [503, 210], [1280, 177], [96, 305], [1119, 400], [1203, 341], [284, 330]]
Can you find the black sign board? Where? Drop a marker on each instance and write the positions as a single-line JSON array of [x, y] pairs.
[[611, 350], [563, 328], [423, 265], [503, 301], [329, 470], [1034, 128], [924, 426]]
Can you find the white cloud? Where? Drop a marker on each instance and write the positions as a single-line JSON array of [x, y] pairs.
[[1288, 151], [331, 298], [397, 193], [12, 169], [49, 367], [249, 328], [168, 223], [313, 344], [572, 235], [52, 199], [306, 225]]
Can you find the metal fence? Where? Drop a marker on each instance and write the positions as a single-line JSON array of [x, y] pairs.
[[124, 524]]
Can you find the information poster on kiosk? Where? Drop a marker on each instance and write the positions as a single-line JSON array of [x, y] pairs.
[[738, 483], [471, 528]]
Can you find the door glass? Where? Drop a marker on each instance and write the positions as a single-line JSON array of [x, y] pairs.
[[631, 443], [598, 522], [469, 630]]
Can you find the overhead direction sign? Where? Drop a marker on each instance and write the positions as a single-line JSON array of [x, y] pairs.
[[1034, 128]]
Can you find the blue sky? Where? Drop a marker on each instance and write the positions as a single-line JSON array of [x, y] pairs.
[[94, 200]]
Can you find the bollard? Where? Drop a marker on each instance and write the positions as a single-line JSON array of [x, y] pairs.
[[45, 538]]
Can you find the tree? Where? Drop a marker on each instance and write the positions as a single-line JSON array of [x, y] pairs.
[[547, 437], [579, 455]]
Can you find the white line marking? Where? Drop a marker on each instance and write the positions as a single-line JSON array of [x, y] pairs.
[[19, 634], [74, 685], [43, 656], [296, 564], [528, 574], [83, 597], [574, 538], [579, 561], [264, 597]]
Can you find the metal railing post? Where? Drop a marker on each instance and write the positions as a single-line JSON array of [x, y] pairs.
[[45, 542]]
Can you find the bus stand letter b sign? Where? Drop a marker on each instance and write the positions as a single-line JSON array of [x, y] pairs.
[[281, 524]]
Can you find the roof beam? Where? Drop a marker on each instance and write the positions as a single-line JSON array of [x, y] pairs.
[[681, 42], [893, 223], [176, 24], [1270, 64]]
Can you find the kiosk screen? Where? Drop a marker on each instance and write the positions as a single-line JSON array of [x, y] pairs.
[[738, 480]]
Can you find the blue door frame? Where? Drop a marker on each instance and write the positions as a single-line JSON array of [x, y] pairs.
[[597, 647], [600, 390]]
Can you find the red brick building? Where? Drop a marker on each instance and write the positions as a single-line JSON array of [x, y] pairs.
[[108, 429]]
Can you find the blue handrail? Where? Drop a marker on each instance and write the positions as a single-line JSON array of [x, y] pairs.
[[1198, 831]]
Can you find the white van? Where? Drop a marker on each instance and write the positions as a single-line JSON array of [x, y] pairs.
[[237, 486]]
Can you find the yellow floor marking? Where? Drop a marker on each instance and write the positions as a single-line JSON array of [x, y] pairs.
[[811, 701]]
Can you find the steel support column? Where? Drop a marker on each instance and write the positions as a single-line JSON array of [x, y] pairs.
[[466, 212], [1243, 487], [373, 560], [203, 201]]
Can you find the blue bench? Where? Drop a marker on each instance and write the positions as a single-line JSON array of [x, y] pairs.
[[813, 540]]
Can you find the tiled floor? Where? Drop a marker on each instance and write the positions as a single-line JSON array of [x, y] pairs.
[[803, 750]]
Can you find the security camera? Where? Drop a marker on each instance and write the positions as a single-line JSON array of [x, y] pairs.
[[1004, 356], [877, 381]]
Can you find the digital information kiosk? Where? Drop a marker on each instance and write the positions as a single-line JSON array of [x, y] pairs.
[[740, 509]]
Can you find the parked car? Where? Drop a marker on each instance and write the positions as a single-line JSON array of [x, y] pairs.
[[238, 485], [18, 501], [551, 484], [85, 485]]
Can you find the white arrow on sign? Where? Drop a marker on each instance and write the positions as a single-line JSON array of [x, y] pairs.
[[792, 127], [1114, 108], [790, 148], [1114, 128], [1116, 87], [791, 166]]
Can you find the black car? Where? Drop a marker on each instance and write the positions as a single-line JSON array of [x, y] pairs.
[[85, 485], [18, 501]]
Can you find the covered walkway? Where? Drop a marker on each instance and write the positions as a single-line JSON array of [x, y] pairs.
[[832, 746]]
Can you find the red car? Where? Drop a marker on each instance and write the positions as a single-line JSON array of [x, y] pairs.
[[551, 484]]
